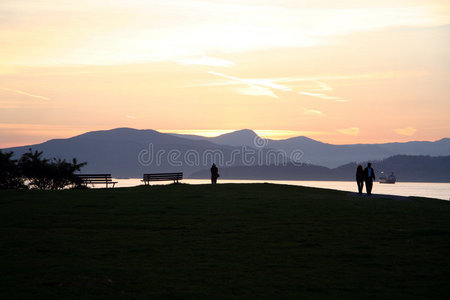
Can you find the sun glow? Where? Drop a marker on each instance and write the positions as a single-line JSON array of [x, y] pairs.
[[268, 134], [200, 132]]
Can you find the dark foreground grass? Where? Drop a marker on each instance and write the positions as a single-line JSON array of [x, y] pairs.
[[226, 241]]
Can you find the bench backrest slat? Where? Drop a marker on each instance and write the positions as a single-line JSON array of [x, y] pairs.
[[163, 176], [93, 175], [96, 178]]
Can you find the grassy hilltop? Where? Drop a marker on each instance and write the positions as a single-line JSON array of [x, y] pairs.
[[229, 240]]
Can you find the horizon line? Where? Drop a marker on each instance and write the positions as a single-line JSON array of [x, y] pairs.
[[278, 135]]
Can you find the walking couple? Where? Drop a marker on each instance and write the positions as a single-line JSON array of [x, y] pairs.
[[367, 175]]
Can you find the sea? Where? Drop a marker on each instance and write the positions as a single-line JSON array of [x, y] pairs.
[[420, 189]]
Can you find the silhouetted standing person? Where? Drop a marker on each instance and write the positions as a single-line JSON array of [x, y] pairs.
[[214, 174], [369, 176], [360, 178]]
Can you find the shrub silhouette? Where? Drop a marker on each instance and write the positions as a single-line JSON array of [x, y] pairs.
[[10, 175], [34, 171]]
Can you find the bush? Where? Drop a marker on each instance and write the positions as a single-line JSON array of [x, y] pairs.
[[10, 176], [37, 172]]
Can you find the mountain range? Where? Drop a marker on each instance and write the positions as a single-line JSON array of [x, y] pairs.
[[330, 155], [127, 152]]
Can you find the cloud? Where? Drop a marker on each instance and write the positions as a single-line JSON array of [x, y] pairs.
[[323, 96], [206, 61], [254, 90], [408, 131], [130, 117], [103, 32], [312, 86], [254, 87], [361, 76], [319, 95], [258, 82], [265, 86], [320, 86], [24, 93], [313, 112], [349, 131]]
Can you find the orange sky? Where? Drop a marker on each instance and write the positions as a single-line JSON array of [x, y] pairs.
[[342, 72]]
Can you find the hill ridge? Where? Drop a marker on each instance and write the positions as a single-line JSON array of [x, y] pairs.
[[117, 150]]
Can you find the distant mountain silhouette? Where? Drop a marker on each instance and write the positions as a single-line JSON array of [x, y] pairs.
[[406, 168], [329, 155], [122, 151], [126, 152], [244, 137]]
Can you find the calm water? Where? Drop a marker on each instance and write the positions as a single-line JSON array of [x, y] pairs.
[[422, 189]]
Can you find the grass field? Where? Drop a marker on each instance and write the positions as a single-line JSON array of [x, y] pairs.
[[222, 241]]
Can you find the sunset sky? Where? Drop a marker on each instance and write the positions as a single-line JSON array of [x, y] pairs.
[[336, 71]]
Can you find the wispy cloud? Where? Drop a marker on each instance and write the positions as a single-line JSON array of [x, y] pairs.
[[139, 31], [319, 95], [130, 117], [313, 86], [259, 82], [254, 87], [408, 131], [349, 131], [254, 90], [358, 76], [24, 93], [314, 112], [268, 86], [206, 61]]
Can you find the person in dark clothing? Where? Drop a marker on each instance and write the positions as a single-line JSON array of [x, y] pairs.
[[369, 177], [360, 178], [214, 174]]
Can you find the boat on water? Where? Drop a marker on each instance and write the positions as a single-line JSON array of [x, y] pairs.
[[387, 179]]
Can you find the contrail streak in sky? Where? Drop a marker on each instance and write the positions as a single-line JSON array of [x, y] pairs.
[[24, 93]]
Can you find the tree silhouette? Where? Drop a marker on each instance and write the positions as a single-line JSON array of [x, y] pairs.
[[45, 174], [10, 175], [32, 170]]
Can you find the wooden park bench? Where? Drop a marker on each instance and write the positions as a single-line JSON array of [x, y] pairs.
[[96, 179], [161, 177]]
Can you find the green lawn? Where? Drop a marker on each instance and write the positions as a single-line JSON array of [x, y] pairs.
[[227, 240]]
